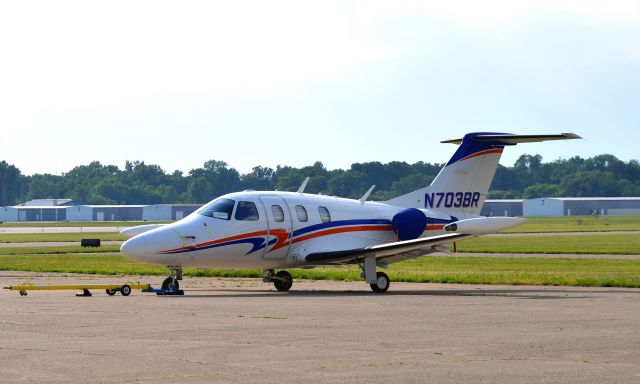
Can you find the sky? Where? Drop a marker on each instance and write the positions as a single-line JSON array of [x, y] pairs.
[[293, 82]]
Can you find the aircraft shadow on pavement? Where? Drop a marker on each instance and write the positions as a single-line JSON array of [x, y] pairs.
[[532, 294]]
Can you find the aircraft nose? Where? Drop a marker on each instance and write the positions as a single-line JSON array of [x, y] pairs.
[[136, 248], [152, 246]]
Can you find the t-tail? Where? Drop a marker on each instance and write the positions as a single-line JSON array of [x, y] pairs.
[[461, 187]]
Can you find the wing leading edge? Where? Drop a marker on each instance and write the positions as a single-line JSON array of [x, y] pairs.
[[385, 252]]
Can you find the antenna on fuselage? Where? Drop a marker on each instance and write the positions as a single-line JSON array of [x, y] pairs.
[[366, 194], [304, 185]]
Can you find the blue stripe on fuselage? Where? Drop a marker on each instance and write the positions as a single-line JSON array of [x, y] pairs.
[[339, 223]]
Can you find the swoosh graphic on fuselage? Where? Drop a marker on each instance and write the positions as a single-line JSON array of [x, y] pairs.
[[284, 238]]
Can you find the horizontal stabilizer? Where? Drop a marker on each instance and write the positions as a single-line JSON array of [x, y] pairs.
[[508, 139]]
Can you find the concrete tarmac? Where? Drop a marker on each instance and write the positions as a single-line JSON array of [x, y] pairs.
[[243, 331]]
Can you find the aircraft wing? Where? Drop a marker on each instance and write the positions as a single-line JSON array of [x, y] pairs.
[[385, 253]]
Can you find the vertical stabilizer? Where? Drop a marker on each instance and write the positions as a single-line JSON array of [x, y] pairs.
[[461, 187]]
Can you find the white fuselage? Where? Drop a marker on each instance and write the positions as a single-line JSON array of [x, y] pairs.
[[278, 236]]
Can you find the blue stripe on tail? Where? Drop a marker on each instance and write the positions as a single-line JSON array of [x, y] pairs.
[[469, 146]]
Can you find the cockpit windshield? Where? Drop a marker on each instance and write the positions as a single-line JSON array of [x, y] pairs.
[[218, 209]]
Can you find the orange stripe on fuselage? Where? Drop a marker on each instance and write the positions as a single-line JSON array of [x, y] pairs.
[[214, 242], [433, 227], [334, 231]]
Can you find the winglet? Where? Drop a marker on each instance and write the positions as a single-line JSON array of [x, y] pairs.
[[366, 194], [303, 186]]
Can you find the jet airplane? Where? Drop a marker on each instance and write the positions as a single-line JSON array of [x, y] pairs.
[[273, 230]]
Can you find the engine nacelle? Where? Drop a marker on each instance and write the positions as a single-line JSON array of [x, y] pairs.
[[409, 224], [483, 225]]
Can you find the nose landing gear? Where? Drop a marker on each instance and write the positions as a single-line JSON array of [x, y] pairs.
[[281, 280], [170, 285]]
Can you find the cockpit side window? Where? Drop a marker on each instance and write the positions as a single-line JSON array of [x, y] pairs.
[[247, 211], [218, 209]]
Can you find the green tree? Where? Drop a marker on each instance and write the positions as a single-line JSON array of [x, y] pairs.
[[260, 179], [349, 184], [540, 190], [590, 184], [46, 187], [12, 184]]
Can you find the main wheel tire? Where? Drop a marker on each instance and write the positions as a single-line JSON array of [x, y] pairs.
[[110, 291], [284, 282], [382, 283], [170, 284], [125, 290]]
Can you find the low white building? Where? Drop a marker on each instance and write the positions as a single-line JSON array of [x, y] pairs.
[[80, 213], [116, 212], [581, 206], [8, 214], [168, 211], [47, 202], [503, 207], [40, 213]]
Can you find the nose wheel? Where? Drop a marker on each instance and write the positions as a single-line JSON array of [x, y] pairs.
[[170, 285]]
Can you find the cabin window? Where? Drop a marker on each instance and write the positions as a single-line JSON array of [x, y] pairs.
[[278, 213], [219, 209], [302, 214], [246, 211], [325, 216]]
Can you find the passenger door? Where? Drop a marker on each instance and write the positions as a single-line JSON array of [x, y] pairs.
[[278, 215]]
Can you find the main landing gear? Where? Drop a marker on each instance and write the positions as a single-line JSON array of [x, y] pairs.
[[382, 283], [170, 285], [281, 280], [379, 281]]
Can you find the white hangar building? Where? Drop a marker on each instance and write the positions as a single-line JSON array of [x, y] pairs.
[[505, 207], [581, 206], [66, 210]]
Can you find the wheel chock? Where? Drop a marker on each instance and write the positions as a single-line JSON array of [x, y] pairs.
[[85, 293]]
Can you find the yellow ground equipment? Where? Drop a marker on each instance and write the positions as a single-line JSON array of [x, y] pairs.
[[111, 289]]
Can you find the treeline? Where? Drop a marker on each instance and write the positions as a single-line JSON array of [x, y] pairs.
[[140, 183]]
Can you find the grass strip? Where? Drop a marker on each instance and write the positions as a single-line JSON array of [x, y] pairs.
[[613, 244], [578, 224], [461, 270], [57, 250]]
